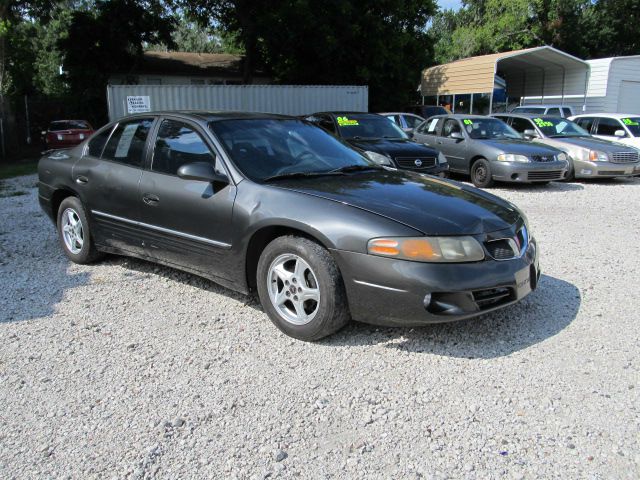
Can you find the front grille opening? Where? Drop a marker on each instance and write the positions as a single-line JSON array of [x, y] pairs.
[[493, 297], [625, 157], [548, 175], [500, 249], [543, 158]]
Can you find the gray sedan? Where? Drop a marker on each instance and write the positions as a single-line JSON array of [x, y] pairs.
[[589, 157], [489, 150]]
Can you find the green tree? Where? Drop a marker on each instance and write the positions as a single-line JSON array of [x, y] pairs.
[[611, 28], [190, 36], [380, 43]]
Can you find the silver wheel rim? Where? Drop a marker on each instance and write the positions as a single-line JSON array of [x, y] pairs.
[[293, 289], [72, 231]]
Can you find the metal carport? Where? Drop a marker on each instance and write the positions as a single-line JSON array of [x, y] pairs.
[[534, 72]]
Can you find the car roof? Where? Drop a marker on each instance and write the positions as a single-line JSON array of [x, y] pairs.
[[545, 105], [212, 116], [399, 113], [528, 116], [608, 115], [459, 116], [346, 112]]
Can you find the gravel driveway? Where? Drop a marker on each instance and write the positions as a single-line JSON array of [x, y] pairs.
[[128, 370]]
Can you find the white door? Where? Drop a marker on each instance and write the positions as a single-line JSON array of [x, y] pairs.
[[629, 97]]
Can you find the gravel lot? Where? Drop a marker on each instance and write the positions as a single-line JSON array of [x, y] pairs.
[[128, 370]]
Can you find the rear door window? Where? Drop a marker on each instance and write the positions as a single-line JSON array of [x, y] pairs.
[[177, 144], [412, 121], [566, 112], [521, 124], [553, 111], [608, 127], [126, 145], [450, 126]]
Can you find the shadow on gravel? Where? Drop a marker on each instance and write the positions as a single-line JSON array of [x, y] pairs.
[[541, 315]]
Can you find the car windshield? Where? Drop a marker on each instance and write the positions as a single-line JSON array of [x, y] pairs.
[[266, 148], [68, 125], [488, 128], [633, 124], [554, 127], [368, 126]]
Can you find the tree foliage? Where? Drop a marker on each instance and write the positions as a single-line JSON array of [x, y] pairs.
[[380, 43]]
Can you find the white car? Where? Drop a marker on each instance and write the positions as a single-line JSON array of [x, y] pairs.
[[555, 110], [618, 127]]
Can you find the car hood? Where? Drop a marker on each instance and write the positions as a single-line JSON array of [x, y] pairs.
[[521, 147], [393, 147], [594, 143], [428, 204]]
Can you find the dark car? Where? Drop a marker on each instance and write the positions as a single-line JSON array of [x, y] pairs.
[[274, 204], [381, 140], [66, 133], [489, 150]]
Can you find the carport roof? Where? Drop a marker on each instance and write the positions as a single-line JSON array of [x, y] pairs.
[[478, 74]]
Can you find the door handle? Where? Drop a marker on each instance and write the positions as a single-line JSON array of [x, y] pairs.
[[81, 179], [150, 199]]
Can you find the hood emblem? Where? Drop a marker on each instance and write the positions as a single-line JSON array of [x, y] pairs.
[[418, 162]]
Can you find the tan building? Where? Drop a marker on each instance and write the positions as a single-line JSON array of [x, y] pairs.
[[491, 83]]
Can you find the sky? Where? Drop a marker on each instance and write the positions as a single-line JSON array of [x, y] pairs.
[[455, 4]]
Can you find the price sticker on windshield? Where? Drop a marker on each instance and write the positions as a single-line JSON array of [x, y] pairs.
[[346, 122], [542, 123], [631, 123], [466, 121]]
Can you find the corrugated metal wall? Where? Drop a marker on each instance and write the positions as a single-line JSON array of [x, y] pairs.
[[283, 99]]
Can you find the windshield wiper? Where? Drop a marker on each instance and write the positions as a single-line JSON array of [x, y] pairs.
[[355, 168], [297, 175]]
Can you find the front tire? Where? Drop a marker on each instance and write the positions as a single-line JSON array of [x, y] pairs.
[[74, 234], [481, 175], [301, 289]]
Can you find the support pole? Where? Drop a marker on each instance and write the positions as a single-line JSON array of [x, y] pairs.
[[26, 116]]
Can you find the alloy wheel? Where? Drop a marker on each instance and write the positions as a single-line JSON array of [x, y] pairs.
[[72, 231], [293, 289]]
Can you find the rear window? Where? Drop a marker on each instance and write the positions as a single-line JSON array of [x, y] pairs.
[[126, 145], [96, 144], [68, 125], [529, 110]]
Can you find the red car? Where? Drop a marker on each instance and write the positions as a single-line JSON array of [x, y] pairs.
[[66, 133]]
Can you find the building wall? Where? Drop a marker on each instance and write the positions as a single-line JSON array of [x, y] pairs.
[[622, 69]]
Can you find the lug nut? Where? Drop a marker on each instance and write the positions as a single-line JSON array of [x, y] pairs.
[[288, 294], [295, 280], [295, 297], [299, 289]]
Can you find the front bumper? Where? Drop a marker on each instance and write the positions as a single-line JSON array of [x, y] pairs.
[[521, 172], [386, 291], [440, 169], [585, 169]]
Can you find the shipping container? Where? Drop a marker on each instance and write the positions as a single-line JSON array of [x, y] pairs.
[[283, 99]]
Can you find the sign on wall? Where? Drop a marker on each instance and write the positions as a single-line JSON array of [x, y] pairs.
[[138, 104]]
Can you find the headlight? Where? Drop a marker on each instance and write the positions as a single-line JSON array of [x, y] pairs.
[[597, 156], [59, 137], [378, 158], [562, 156], [428, 249], [441, 158], [512, 157]]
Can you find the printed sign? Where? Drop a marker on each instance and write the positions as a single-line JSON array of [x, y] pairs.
[[542, 123], [628, 121], [345, 122], [466, 121], [138, 104], [122, 150]]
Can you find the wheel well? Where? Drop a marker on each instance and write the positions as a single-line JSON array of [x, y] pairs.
[[260, 240], [57, 198]]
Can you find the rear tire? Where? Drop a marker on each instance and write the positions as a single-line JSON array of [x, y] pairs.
[[74, 233], [571, 172], [301, 289], [481, 175]]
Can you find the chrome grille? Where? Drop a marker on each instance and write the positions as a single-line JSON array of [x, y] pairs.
[[624, 157], [545, 175], [416, 163], [543, 158]]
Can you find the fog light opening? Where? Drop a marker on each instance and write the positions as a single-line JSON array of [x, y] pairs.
[[514, 176], [427, 300]]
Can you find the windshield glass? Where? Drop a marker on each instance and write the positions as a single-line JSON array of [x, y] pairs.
[[368, 126], [264, 148], [554, 127], [488, 128], [633, 124], [69, 125]]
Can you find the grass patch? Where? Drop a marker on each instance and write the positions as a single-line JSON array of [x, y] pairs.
[[18, 169]]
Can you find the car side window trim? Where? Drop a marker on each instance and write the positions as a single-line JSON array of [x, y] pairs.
[[85, 152], [145, 147]]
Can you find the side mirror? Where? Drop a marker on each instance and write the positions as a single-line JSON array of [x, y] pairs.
[[202, 171], [620, 133], [456, 136], [530, 133]]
